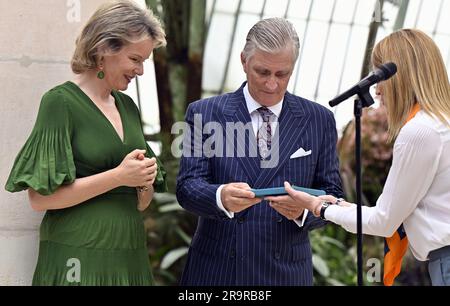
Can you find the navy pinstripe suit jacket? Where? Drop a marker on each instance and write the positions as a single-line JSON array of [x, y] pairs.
[[258, 246]]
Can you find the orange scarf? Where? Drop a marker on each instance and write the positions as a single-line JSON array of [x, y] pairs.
[[395, 247]]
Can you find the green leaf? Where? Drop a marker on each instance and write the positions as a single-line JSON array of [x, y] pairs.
[[183, 235], [334, 282], [173, 256], [320, 265], [169, 207], [165, 198], [166, 276], [334, 242]]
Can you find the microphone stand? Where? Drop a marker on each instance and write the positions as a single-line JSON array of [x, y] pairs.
[[365, 100]]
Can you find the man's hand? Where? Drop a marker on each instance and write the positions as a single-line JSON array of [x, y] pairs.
[[237, 196], [292, 205]]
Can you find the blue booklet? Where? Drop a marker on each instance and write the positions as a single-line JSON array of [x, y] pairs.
[[259, 193]]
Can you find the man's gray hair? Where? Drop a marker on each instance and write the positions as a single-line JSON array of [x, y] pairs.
[[272, 35]]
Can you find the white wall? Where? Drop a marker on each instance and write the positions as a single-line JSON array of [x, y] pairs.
[[37, 40]]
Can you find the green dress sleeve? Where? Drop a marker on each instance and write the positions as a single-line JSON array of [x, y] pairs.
[[160, 184], [45, 162]]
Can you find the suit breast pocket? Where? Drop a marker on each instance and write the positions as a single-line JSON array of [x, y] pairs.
[[301, 170]]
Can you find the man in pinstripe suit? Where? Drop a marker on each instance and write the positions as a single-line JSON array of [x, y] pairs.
[[240, 239]]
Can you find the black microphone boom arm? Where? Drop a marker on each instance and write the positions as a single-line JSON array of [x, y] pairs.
[[380, 74]]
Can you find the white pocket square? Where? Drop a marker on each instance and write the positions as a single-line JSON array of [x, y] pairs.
[[300, 153]]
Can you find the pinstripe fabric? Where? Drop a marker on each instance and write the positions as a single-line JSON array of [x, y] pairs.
[[258, 246]]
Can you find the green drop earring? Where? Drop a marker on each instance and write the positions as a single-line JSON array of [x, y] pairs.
[[101, 75]]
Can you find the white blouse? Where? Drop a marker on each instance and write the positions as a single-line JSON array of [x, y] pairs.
[[416, 193]]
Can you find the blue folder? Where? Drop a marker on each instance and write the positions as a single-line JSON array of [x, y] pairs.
[[259, 193]]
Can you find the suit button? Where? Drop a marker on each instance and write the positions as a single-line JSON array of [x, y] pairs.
[[233, 253], [277, 255], [241, 220], [279, 220]]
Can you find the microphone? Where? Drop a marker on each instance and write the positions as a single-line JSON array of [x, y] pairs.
[[380, 74]]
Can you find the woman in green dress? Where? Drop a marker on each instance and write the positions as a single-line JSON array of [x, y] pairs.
[[86, 162]]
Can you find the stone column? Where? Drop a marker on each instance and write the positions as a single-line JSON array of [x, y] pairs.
[[37, 41]]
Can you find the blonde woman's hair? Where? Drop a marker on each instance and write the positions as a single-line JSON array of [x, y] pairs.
[[421, 77], [114, 25]]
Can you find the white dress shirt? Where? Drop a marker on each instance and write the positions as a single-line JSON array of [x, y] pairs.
[[416, 193], [252, 107]]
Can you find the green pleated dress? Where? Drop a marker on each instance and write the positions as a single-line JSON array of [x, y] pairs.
[[101, 241]]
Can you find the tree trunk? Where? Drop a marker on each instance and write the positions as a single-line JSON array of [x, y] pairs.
[[373, 30], [179, 66]]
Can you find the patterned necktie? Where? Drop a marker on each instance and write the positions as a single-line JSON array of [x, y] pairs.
[[264, 136], [395, 247]]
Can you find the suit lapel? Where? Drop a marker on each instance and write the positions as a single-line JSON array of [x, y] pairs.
[[292, 124], [236, 112]]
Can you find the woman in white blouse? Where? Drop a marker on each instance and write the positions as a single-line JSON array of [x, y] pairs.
[[417, 190]]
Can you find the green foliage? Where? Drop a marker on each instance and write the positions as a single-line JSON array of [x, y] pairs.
[[169, 231], [169, 228], [333, 260]]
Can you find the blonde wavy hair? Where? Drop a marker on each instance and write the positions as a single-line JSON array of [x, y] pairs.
[[421, 77], [114, 25]]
